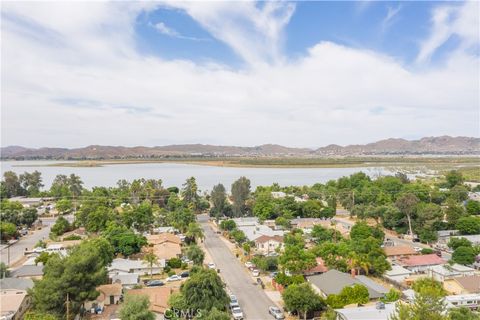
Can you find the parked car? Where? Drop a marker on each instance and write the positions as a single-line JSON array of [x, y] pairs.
[[185, 274], [255, 272], [155, 283], [276, 313], [174, 278], [273, 274], [237, 313], [249, 264], [38, 249], [211, 265], [417, 249], [233, 301]]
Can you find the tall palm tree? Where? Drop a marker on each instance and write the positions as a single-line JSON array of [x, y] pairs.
[[151, 259], [194, 231]]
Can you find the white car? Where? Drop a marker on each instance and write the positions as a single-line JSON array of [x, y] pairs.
[[255, 272], [174, 278], [212, 265], [417, 249], [38, 250], [237, 313], [249, 265], [276, 313]]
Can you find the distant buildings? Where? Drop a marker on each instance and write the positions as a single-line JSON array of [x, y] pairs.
[[377, 312], [14, 303], [420, 263], [268, 244]]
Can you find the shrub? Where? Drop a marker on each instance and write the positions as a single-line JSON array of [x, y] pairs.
[[174, 263]]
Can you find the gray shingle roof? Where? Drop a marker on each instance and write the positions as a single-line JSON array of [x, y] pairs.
[[15, 283], [28, 271], [333, 281]]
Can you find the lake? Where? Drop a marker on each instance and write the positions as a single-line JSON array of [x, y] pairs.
[[175, 174]]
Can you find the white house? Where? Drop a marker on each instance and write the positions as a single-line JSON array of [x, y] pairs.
[[471, 301], [398, 274], [119, 266], [127, 280], [444, 272], [268, 244]]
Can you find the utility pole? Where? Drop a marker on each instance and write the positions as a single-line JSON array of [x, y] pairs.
[[68, 307], [353, 198]]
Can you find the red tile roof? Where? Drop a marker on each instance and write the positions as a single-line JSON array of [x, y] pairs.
[[421, 260], [319, 268], [399, 251]]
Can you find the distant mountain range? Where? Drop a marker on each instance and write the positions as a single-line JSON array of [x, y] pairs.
[[444, 145]]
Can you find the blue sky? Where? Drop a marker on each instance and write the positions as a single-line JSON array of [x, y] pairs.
[[238, 73], [395, 28]]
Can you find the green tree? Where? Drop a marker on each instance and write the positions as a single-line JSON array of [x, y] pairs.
[[218, 198], [31, 315], [215, 314], [60, 227], [64, 206], [124, 240], [240, 194], [264, 207], [196, 254], [43, 258], [303, 299], [136, 307], [139, 217], [407, 204], [29, 216], [228, 225], [204, 291], [456, 242], [77, 275], [7, 230], [151, 259], [464, 255], [473, 207], [468, 225], [31, 182], [296, 260], [190, 193], [4, 272], [11, 183], [462, 313], [392, 295], [454, 177], [194, 232]]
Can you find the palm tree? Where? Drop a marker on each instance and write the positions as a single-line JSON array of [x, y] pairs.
[[359, 262], [151, 259], [194, 231]]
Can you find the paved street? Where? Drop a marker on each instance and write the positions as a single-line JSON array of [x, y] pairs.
[[253, 301], [17, 249]]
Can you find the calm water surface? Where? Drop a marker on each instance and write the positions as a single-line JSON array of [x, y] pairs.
[[175, 174]]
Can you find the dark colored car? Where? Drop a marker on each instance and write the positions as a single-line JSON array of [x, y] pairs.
[[185, 274], [155, 283]]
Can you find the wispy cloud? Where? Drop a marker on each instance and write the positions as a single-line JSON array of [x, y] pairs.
[[95, 87], [448, 20], [166, 30], [392, 13]]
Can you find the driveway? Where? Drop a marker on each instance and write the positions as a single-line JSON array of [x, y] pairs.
[[253, 301]]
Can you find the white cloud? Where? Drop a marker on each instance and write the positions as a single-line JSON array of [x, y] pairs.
[[448, 20], [392, 13], [93, 87], [166, 30]]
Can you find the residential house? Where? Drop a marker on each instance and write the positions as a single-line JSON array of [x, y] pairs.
[[397, 252], [167, 250], [127, 280], [13, 303], [471, 301], [28, 271], [318, 269], [378, 311], [420, 263], [268, 244], [246, 221], [109, 294], [252, 232], [120, 266], [28, 202], [158, 297], [463, 285], [398, 274], [278, 194], [164, 230], [443, 236], [16, 283], [155, 239], [333, 281], [444, 272]]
